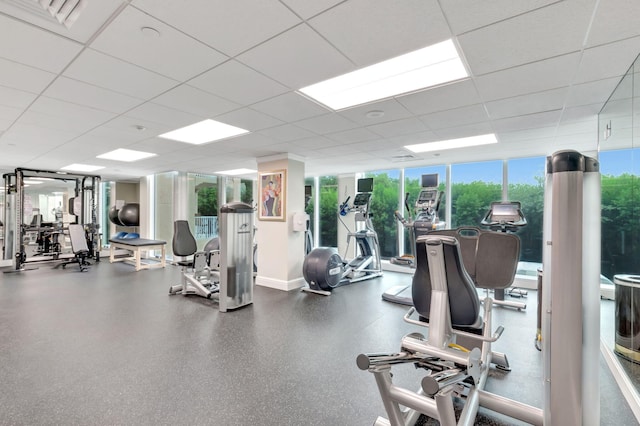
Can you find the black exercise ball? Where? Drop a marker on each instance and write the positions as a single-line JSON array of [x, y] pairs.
[[113, 216], [129, 214]]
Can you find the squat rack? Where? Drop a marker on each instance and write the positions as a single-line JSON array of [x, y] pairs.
[[85, 209]]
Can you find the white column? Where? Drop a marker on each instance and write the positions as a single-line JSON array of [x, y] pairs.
[[280, 248]]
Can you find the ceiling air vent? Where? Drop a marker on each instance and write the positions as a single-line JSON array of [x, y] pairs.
[[403, 157], [64, 12]]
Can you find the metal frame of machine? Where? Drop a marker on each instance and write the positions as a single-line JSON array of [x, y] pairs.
[[86, 190]]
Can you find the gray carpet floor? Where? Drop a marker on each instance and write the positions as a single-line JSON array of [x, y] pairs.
[[110, 347]]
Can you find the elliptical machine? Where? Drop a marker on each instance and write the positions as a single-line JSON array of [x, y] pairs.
[[426, 217], [323, 268], [425, 220]]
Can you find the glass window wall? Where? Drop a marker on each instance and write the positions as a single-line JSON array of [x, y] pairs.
[[384, 202], [473, 187], [526, 184], [328, 211]]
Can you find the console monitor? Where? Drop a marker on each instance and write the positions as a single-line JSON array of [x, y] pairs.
[[430, 180], [365, 185], [362, 199], [307, 191], [505, 212]]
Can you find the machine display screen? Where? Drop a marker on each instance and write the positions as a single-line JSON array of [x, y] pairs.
[[427, 195], [506, 211], [430, 180], [365, 185], [361, 199]]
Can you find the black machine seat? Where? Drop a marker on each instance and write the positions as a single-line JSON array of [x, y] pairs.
[[184, 244], [472, 258]]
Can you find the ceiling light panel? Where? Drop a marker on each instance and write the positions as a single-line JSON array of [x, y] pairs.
[[127, 155], [236, 172], [427, 67], [453, 143], [81, 168], [203, 132]]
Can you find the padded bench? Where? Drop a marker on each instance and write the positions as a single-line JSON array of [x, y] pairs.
[[136, 246]]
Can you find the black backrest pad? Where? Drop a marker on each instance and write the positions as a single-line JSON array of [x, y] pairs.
[[463, 298], [183, 244]]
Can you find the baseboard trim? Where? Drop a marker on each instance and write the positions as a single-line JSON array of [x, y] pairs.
[[280, 284]]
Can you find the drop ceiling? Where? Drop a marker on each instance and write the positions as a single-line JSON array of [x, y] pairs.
[[540, 71]]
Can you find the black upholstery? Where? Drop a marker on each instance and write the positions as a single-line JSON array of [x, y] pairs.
[[478, 258], [183, 244], [464, 303]]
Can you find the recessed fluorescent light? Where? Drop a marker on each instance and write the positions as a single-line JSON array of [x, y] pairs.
[[127, 155], [81, 168], [236, 172], [32, 182], [426, 67], [203, 132], [453, 143]]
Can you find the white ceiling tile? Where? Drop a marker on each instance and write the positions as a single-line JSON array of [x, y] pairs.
[[536, 77], [113, 74], [325, 124], [80, 93], [15, 98], [529, 40], [23, 77], [368, 114], [39, 138], [291, 107], [316, 142], [9, 114], [530, 121], [238, 83], [307, 9], [611, 21], [231, 27], [164, 115], [354, 135], [297, 58], [592, 92], [610, 60], [398, 127], [132, 129], [36, 48], [527, 135], [195, 101], [584, 112], [124, 39], [62, 115], [441, 98], [286, 133], [248, 119], [464, 131], [578, 127], [400, 27], [5, 124], [411, 138], [465, 15], [528, 104], [455, 117]]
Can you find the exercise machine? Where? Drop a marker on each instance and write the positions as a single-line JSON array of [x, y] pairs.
[[425, 220], [196, 276], [571, 318], [27, 237], [456, 354], [323, 268], [506, 216], [232, 285]]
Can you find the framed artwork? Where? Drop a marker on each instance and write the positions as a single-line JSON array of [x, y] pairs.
[[272, 187]]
